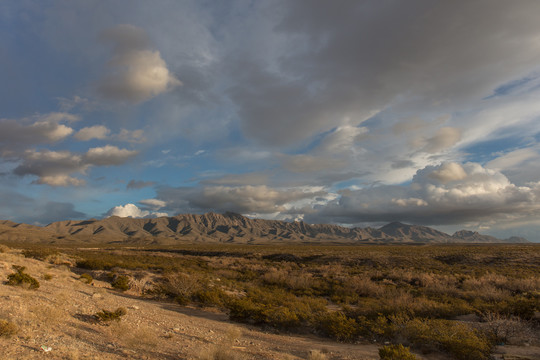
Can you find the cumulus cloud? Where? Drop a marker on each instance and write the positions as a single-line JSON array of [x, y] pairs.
[[108, 155], [55, 168], [444, 194], [242, 199], [40, 129], [52, 167], [442, 140], [131, 210], [137, 73], [92, 132]]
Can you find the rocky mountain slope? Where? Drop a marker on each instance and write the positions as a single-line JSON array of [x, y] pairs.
[[227, 227]]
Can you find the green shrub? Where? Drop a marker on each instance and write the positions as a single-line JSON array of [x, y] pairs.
[[7, 328], [456, 338], [121, 282], [396, 352], [86, 278], [338, 326], [107, 316], [20, 278], [39, 254], [211, 297]]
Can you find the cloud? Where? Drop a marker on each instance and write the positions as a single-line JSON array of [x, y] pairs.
[[154, 204], [242, 199], [52, 167], [448, 172], [137, 184], [326, 65], [132, 136], [137, 74], [449, 193], [41, 129], [58, 211], [39, 211], [239, 179], [108, 155], [442, 140], [131, 210], [55, 167], [92, 132]]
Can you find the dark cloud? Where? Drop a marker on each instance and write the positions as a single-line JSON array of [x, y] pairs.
[[55, 168], [139, 184], [17, 135], [21, 208], [338, 62], [241, 199]]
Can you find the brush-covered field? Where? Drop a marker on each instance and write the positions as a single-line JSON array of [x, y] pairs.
[[458, 301]]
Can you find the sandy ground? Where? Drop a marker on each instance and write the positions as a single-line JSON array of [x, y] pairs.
[[60, 313]]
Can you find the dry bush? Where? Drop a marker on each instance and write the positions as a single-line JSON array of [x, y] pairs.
[[4, 249], [179, 286], [396, 352], [106, 316], [7, 328], [484, 288], [316, 355], [508, 329], [364, 286]]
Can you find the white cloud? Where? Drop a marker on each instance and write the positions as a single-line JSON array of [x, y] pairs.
[[92, 132], [448, 172], [131, 210], [443, 194], [108, 155], [137, 74], [154, 204]]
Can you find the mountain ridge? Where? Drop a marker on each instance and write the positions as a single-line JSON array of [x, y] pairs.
[[230, 228]]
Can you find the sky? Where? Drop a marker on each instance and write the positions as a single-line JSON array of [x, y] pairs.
[[356, 113]]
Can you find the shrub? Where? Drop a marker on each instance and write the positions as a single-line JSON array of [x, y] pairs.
[[456, 338], [86, 278], [7, 328], [396, 352], [316, 355], [47, 277], [211, 297], [338, 326], [20, 278], [107, 316], [121, 282]]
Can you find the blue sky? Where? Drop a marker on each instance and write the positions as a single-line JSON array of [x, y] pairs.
[[351, 112]]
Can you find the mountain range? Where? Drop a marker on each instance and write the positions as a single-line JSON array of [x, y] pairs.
[[227, 228]]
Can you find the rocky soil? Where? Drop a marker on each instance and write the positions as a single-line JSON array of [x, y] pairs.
[[59, 316]]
